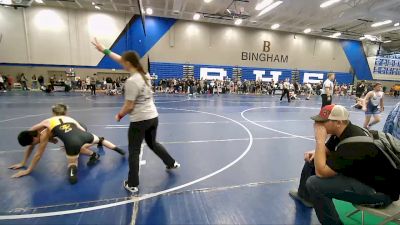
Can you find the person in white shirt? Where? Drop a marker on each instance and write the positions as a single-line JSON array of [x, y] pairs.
[[308, 90], [373, 106], [327, 90], [139, 104], [2, 86]]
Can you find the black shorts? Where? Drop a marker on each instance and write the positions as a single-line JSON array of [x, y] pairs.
[[74, 140]]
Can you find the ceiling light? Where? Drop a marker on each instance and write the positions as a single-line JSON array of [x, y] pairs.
[[97, 7], [270, 7], [329, 3], [263, 4], [362, 38], [308, 30], [93, 3], [229, 11], [7, 2], [396, 24], [149, 11], [388, 41], [238, 21], [196, 16], [208, 1], [378, 24], [39, 1], [371, 37], [335, 35], [275, 26]]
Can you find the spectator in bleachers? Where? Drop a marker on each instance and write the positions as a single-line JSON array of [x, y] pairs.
[[2, 85], [41, 80], [24, 82], [34, 82]]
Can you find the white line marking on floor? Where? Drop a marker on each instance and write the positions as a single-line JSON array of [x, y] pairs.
[[135, 207], [226, 140], [272, 129], [23, 150], [43, 114], [182, 142], [147, 196], [156, 102], [209, 189]]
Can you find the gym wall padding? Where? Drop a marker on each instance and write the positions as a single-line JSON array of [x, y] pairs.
[[133, 38], [358, 60]]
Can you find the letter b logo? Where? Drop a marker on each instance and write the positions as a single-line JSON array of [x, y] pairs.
[[267, 46]]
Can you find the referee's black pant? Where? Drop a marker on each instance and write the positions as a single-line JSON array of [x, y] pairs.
[[147, 130], [325, 100], [285, 92]]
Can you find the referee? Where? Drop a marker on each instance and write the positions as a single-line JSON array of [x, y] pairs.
[[327, 90], [139, 104]]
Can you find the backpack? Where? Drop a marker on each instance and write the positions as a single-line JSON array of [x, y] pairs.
[[385, 142]]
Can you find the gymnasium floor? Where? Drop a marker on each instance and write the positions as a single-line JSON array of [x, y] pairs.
[[240, 156]]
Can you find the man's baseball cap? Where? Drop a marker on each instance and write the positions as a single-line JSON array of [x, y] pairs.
[[331, 112]]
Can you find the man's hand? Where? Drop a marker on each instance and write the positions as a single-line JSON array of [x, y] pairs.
[[309, 156], [382, 109], [100, 47], [21, 173], [16, 166], [117, 118], [320, 132]]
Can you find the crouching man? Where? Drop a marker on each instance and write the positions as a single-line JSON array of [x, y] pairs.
[[358, 173]]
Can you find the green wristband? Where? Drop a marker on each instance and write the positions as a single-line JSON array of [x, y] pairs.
[[107, 51]]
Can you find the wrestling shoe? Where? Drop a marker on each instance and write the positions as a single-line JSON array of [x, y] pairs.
[[132, 190], [94, 158], [175, 166], [120, 151], [73, 174]]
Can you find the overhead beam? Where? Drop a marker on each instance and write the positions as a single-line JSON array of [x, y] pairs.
[[177, 6], [114, 6], [79, 4], [166, 7]]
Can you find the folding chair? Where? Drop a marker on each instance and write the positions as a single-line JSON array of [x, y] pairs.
[[390, 213]]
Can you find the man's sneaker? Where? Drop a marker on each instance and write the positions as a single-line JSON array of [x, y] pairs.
[[175, 166], [94, 158], [132, 190], [120, 151], [294, 194], [73, 174]]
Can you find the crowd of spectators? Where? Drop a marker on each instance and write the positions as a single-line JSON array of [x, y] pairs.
[[114, 85], [92, 83], [193, 86]]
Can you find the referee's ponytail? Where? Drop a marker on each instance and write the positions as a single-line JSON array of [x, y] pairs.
[[133, 58]]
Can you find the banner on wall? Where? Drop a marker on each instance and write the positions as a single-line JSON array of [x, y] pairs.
[[387, 67], [215, 72]]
